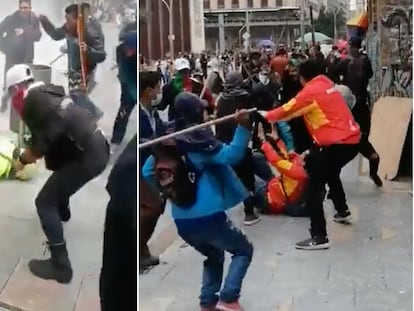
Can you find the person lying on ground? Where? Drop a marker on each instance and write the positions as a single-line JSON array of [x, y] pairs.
[[285, 193]]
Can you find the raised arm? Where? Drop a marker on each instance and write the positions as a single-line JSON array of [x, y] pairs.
[[56, 34]]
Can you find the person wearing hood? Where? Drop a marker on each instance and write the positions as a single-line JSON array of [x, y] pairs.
[[291, 87], [204, 225], [233, 98], [73, 148], [127, 75], [93, 47], [181, 82], [18, 33]]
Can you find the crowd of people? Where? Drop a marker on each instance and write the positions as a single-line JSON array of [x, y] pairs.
[[312, 118]]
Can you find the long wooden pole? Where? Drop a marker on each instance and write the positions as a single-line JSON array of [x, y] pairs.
[[191, 129], [80, 31]]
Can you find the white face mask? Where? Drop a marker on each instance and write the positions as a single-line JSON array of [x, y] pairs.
[[264, 79], [157, 100]]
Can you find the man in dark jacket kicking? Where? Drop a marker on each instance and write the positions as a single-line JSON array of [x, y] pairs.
[[67, 137]]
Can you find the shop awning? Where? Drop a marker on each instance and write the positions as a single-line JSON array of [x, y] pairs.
[[360, 20]]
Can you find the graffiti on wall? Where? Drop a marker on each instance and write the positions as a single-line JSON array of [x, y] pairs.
[[396, 48]]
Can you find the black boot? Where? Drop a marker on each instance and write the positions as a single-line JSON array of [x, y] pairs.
[[57, 267], [373, 169], [148, 261]]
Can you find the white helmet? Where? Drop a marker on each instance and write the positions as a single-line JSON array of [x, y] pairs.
[[18, 74]]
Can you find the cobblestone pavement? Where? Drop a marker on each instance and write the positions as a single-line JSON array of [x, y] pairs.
[[368, 268]]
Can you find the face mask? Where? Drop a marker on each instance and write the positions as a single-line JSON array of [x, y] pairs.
[[18, 100], [264, 79], [157, 100]]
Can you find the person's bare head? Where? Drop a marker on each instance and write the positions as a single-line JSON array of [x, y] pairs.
[[25, 7]]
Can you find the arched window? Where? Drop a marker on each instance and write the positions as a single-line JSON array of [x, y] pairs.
[[220, 4], [265, 4], [235, 4]]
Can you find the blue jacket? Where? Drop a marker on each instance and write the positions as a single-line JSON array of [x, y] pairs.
[[146, 133], [285, 134], [219, 189]]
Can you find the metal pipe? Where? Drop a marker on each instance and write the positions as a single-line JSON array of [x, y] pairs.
[[181, 26], [171, 38], [191, 129]]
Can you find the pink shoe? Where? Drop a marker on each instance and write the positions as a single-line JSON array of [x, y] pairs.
[[234, 306]]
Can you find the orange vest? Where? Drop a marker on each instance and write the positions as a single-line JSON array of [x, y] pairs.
[[290, 185]]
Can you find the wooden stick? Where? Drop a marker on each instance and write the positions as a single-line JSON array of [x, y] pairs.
[[191, 129]]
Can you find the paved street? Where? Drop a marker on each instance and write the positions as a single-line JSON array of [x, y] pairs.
[[20, 230], [368, 268]]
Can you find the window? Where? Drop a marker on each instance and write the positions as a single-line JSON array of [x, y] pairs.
[[235, 4], [207, 4], [249, 3], [265, 4], [220, 4], [279, 2]]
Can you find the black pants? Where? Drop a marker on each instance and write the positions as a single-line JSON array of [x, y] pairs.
[[324, 166], [362, 116], [245, 171], [121, 120], [65, 182], [118, 279]]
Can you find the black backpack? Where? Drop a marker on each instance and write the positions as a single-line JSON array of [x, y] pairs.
[[175, 175]]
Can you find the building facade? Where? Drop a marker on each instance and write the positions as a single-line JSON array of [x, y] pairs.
[[154, 28], [278, 20]]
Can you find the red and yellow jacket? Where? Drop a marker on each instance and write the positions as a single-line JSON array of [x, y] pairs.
[[290, 185], [326, 114]]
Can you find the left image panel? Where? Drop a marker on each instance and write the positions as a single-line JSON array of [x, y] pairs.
[[68, 155]]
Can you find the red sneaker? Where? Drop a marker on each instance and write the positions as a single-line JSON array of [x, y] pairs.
[[224, 306]]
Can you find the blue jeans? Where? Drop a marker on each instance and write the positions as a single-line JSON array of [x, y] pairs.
[[212, 239], [85, 102], [261, 167]]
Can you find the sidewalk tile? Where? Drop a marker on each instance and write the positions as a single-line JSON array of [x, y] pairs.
[[30, 293], [88, 299]]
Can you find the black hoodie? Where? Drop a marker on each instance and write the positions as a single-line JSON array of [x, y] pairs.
[[60, 130]]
